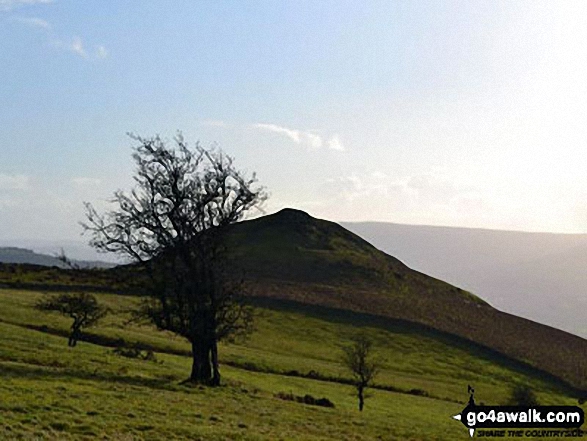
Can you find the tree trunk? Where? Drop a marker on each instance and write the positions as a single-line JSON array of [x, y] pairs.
[[201, 369], [206, 366], [74, 336], [361, 398], [215, 369]]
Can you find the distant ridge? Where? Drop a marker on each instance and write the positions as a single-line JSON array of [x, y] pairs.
[[540, 276], [23, 255]]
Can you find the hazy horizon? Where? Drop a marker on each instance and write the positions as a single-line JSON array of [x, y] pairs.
[[80, 249], [465, 114]]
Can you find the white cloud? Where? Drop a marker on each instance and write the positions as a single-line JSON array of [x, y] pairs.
[[307, 139], [433, 198], [334, 143], [294, 135], [9, 5], [365, 186], [314, 140], [34, 22], [13, 182], [77, 47], [101, 52]]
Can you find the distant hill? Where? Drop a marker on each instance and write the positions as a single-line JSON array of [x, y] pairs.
[[540, 276], [23, 255]]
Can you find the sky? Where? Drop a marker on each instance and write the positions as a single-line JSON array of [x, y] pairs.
[[455, 113]]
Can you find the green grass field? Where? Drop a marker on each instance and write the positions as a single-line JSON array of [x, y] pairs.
[[51, 391]]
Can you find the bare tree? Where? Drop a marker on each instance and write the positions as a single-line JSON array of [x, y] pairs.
[[358, 358], [174, 224], [83, 308], [62, 257]]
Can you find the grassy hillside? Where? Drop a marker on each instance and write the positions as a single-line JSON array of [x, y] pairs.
[[292, 256], [51, 391], [54, 278]]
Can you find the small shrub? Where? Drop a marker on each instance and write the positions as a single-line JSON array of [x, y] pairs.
[[313, 374], [60, 427], [120, 342], [324, 402], [418, 392], [522, 395], [306, 399], [145, 427], [250, 366], [135, 352]]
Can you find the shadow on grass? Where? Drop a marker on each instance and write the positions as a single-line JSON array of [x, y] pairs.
[[399, 326], [108, 342], [42, 371], [333, 315], [35, 372]]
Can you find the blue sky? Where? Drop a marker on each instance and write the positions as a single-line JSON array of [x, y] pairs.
[[460, 113]]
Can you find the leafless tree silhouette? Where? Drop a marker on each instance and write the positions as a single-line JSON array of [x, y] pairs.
[[358, 358], [173, 223]]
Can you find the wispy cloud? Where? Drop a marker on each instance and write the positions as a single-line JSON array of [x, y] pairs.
[[334, 143], [314, 140], [10, 5], [13, 182], [294, 135], [430, 197], [310, 140], [74, 45], [77, 47], [101, 52], [34, 22]]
